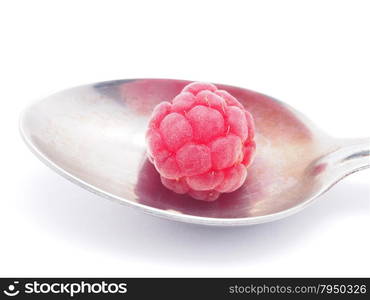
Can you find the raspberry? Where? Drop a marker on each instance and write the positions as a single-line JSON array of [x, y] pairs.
[[202, 142]]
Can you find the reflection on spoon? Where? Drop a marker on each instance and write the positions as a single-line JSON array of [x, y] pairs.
[[151, 192]]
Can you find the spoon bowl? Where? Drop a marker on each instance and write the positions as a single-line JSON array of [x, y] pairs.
[[94, 135]]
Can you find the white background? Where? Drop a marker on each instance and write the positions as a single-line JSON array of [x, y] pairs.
[[314, 55]]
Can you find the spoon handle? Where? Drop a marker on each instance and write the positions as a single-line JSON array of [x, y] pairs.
[[356, 155], [352, 156]]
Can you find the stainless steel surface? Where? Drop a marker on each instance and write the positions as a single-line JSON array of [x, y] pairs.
[[94, 136]]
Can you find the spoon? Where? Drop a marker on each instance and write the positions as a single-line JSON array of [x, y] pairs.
[[94, 135]]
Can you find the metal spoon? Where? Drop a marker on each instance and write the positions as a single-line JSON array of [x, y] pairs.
[[94, 136]]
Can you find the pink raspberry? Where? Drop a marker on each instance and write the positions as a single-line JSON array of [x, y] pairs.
[[201, 143]]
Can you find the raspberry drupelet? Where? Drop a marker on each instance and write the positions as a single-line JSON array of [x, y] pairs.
[[202, 142]]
